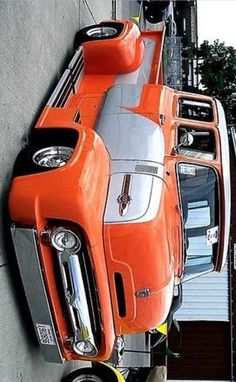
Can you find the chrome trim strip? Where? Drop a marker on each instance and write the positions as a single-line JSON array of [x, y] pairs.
[[69, 81], [74, 59], [25, 245], [58, 88], [224, 142], [76, 299], [76, 67]]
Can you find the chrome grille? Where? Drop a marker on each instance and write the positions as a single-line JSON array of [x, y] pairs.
[[92, 292], [81, 296]]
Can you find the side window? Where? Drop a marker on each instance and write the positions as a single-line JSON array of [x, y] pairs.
[[195, 110], [198, 214], [196, 143], [199, 192]]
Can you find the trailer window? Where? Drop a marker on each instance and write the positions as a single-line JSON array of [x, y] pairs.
[[202, 143], [198, 187], [196, 110]]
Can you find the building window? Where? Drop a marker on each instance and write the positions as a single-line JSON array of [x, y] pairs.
[[195, 110], [233, 135]]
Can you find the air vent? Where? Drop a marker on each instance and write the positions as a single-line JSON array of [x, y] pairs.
[[120, 294]]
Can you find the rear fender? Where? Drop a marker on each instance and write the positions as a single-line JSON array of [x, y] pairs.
[[120, 55]]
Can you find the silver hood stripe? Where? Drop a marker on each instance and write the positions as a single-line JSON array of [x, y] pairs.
[[121, 97], [130, 136], [136, 147]]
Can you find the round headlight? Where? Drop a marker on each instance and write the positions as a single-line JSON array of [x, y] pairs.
[[85, 348], [65, 240]]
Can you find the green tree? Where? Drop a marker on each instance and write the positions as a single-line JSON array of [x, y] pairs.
[[217, 70]]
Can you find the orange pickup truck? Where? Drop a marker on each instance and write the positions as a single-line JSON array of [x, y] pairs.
[[122, 193]]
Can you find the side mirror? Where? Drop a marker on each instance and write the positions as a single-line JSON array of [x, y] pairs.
[[186, 139]]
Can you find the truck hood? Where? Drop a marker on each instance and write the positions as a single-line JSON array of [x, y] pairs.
[[135, 233]]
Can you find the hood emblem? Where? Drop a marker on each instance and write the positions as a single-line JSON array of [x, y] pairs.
[[142, 293], [124, 198]]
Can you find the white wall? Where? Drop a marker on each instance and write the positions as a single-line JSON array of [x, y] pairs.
[[206, 298]]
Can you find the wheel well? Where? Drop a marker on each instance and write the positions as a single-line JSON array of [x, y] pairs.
[[40, 138], [82, 37]]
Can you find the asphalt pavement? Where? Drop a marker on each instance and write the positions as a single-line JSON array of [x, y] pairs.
[[36, 43]]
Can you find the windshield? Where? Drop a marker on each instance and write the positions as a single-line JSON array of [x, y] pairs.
[[200, 208]]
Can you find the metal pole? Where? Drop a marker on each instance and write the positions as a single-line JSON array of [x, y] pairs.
[[230, 267], [113, 9], [137, 351]]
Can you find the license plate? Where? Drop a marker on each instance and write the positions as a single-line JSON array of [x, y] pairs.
[[45, 334]]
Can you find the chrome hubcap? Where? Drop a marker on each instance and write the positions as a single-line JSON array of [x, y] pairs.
[[102, 31], [53, 156]]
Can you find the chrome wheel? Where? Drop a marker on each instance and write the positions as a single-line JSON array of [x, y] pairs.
[[87, 378], [53, 156], [101, 32]]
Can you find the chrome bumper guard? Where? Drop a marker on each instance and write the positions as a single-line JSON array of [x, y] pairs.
[[25, 245]]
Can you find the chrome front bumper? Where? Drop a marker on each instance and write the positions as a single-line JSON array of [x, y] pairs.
[[25, 244]]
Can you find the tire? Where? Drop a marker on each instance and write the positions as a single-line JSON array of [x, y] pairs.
[[154, 10], [103, 31], [83, 375], [99, 373], [150, 13]]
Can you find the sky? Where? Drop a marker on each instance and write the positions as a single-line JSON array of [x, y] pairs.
[[217, 20]]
